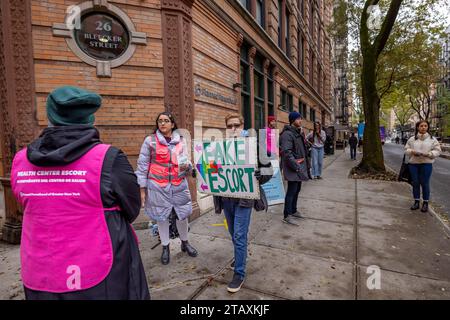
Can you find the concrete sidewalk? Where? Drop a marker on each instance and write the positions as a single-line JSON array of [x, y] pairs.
[[349, 225]]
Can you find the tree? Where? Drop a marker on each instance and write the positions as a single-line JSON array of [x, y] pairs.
[[373, 161], [385, 56]]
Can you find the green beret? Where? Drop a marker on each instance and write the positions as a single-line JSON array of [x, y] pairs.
[[70, 105]]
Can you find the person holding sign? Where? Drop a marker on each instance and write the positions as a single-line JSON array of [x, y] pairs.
[[79, 197], [237, 211], [162, 169], [295, 164]]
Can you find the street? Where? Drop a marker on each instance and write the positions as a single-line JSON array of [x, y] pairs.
[[440, 179]]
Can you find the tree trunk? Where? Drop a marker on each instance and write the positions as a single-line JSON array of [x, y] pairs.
[[372, 161]]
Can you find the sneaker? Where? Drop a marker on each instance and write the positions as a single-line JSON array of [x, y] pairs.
[[297, 215], [288, 220], [235, 284], [319, 177]]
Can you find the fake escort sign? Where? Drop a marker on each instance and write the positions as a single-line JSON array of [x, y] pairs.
[[227, 167]]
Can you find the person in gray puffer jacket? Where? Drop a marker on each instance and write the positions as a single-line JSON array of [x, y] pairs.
[[162, 169], [295, 164], [238, 211]]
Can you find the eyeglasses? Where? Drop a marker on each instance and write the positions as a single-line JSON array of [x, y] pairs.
[[233, 125], [161, 121]]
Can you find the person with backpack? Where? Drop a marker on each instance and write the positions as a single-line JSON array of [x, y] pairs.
[[162, 170]]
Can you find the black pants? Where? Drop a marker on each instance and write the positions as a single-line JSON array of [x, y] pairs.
[[290, 201], [353, 152]]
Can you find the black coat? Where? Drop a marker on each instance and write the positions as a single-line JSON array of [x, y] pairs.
[[57, 146], [353, 141], [293, 147]]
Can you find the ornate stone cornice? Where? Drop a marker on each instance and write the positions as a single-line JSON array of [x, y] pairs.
[[184, 6]]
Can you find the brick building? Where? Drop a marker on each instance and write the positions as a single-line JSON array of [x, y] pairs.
[[199, 59]]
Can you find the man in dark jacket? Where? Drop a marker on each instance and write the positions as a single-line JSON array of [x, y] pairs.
[[238, 211], [353, 143], [295, 164], [109, 195]]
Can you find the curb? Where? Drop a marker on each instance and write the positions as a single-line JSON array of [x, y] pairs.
[[445, 156], [431, 210]]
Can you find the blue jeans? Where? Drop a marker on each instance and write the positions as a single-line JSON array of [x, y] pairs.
[[353, 152], [317, 160], [291, 198], [420, 176], [238, 220]]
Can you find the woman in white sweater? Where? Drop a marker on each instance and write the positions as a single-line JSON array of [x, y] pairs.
[[422, 149]]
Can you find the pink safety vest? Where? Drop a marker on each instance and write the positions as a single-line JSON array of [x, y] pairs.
[[65, 243]]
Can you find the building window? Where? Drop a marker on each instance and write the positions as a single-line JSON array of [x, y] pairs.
[[319, 78], [246, 4], [270, 91], [319, 41], [258, 84], [280, 23], [245, 91], [287, 34], [312, 114], [290, 101], [283, 100], [302, 109], [260, 17], [301, 52], [311, 67], [311, 19]]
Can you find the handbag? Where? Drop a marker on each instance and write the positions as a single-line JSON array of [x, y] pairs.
[[404, 174]]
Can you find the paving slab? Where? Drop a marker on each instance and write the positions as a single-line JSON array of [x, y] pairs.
[[315, 237], [399, 189], [327, 192], [327, 210], [395, 285], [176, 291], [213, 255], [291, 275], [218, 291], [10, 281], [412, 249], [212, 224], [383, 200]]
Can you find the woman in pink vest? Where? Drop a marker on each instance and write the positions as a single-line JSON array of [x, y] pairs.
[[162, 168], [79, 197]]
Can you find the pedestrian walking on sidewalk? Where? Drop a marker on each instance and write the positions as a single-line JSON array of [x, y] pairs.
[[79, 198], [295, 164], [271, 136], [360, 144], [317, 139], [238, 211], [353, 143], [422, 149], [162, 169]]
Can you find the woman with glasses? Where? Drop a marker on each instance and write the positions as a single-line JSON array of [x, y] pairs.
[[162, 169]]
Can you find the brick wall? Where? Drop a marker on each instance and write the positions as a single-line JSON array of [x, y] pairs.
[[134, 94]]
